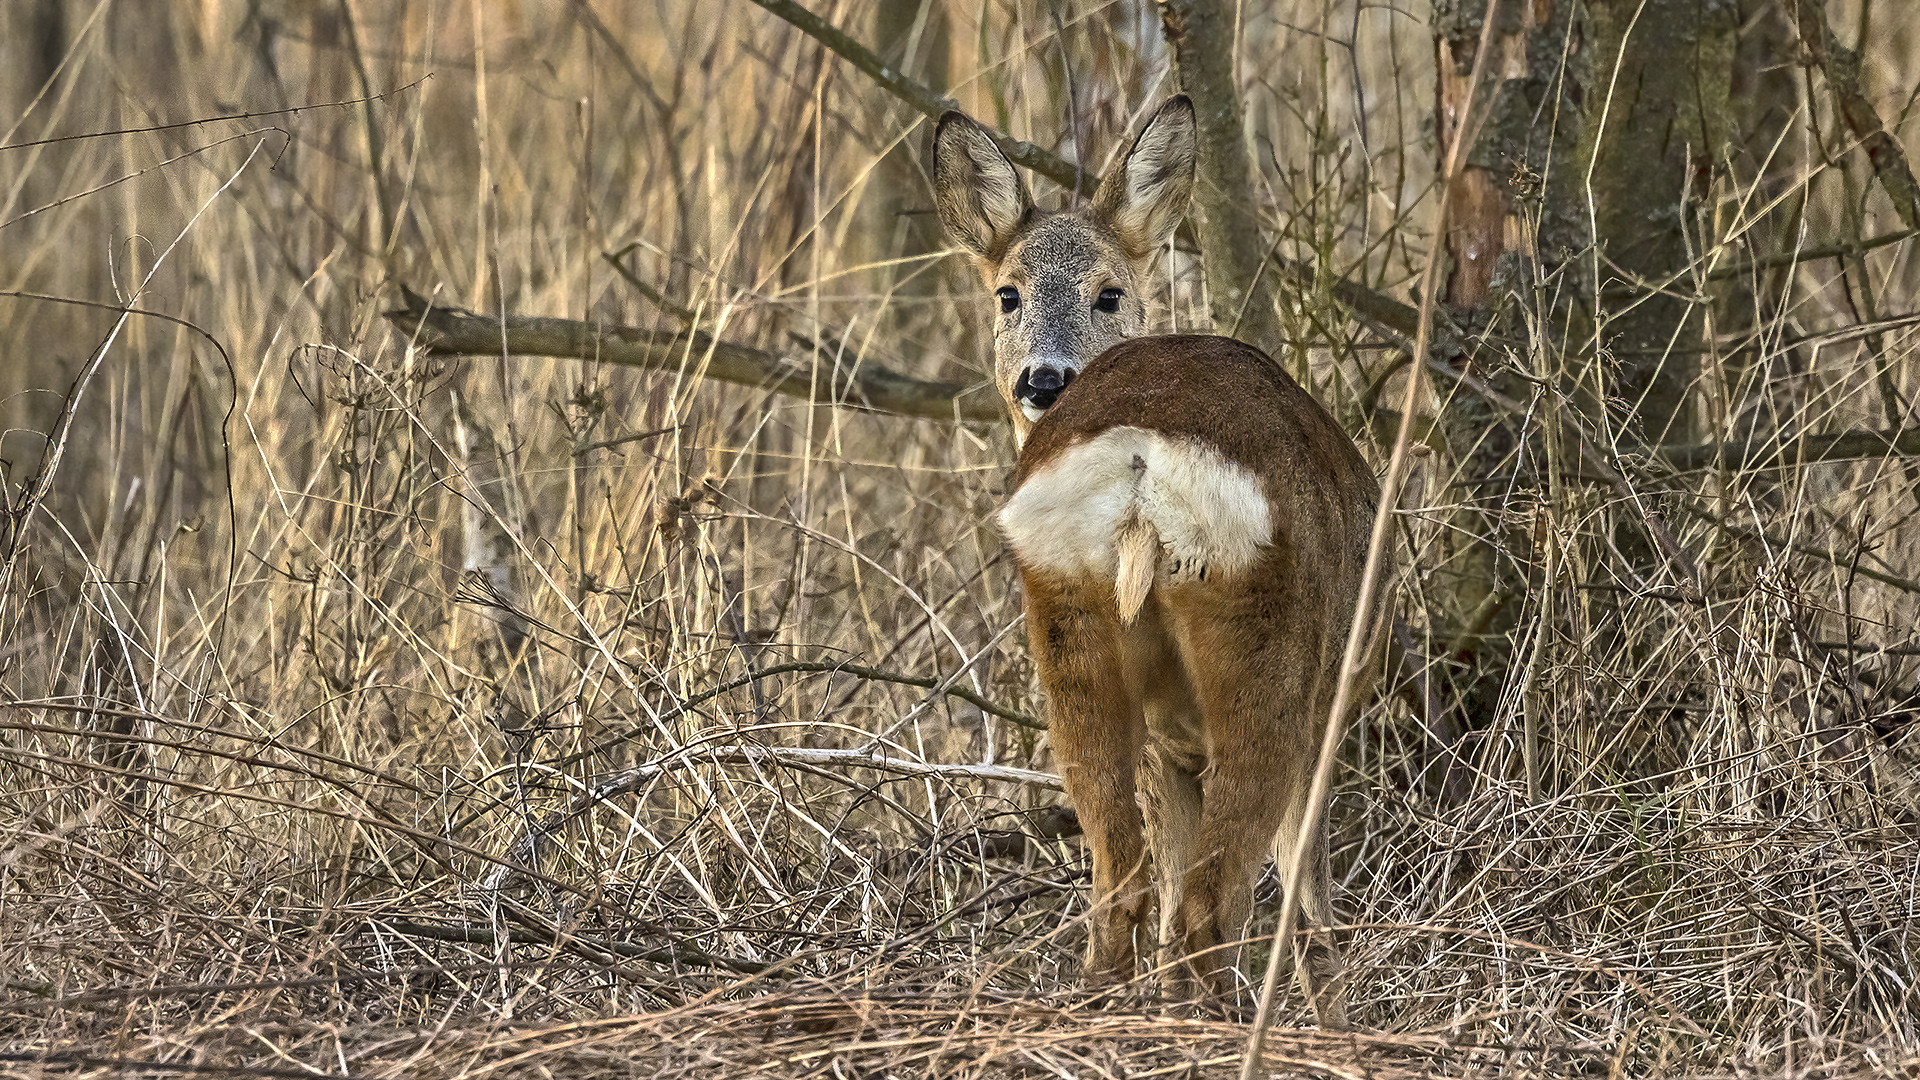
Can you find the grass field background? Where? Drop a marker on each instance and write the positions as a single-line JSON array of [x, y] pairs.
[[371, 712]]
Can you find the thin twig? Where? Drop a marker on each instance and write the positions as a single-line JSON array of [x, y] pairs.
[[525, 855], [1841, 66], [1361, 633], [260, 114]]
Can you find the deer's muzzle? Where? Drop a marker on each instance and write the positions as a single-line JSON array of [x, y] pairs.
[[1040, 386]]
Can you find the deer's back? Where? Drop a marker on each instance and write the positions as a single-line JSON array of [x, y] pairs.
[[1211, 442], [1214, 391]]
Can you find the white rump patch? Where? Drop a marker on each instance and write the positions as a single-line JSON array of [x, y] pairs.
[[1209, 512]]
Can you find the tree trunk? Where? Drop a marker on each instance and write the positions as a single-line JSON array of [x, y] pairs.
[[1600, 126], [1657, 132], [1233, 248], [911, 35], [1510, 231]]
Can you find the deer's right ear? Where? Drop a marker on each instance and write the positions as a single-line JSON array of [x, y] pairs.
[[982, 199], [1145, 197]]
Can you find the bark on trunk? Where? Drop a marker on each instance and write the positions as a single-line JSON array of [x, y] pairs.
[[1601, 123], [1233, 248], [1657, 132]]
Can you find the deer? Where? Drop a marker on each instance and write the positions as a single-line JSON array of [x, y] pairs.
[[1190, 527]]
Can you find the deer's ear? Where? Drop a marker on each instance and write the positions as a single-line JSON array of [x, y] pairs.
[[981, 197], [1147, 195]]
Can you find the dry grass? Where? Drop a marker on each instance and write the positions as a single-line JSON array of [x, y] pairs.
[[305, 634]]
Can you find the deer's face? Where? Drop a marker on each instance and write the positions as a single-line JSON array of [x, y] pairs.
[[1063, 293], [1065, 286]]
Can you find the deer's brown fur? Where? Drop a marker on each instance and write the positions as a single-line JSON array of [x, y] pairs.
[[1191, 527]]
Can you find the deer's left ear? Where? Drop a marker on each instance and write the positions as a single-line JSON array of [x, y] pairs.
[[1145, 197], [981, 197]]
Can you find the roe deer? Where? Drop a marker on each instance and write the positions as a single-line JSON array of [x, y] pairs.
[[1191, 527]]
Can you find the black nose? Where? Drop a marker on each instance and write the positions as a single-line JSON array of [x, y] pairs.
[[1041, 386]]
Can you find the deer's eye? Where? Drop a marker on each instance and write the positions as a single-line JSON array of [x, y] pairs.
[[1109, 301], [1009, 297]]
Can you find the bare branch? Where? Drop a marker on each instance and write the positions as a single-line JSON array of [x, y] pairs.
[[1398, 322], [1841, 66], [1795, 450], [863, 385], [925, 100], [1377, 309]]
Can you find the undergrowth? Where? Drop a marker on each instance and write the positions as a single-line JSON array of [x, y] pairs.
[[370, 712]]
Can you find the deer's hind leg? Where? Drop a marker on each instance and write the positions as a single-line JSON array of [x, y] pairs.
[[1260, 690], [1170, 780], [1173, 826], [1097, 731]]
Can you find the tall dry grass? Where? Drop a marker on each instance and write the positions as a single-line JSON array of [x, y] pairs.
[[365, 712]]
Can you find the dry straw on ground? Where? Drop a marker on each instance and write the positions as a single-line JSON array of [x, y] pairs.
[[370, 712]]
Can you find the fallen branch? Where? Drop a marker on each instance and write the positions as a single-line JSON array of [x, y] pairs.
[[453, 331], [672, 956], [864, 759]]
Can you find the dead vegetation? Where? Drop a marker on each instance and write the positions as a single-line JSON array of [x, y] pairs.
[[371, 712]]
